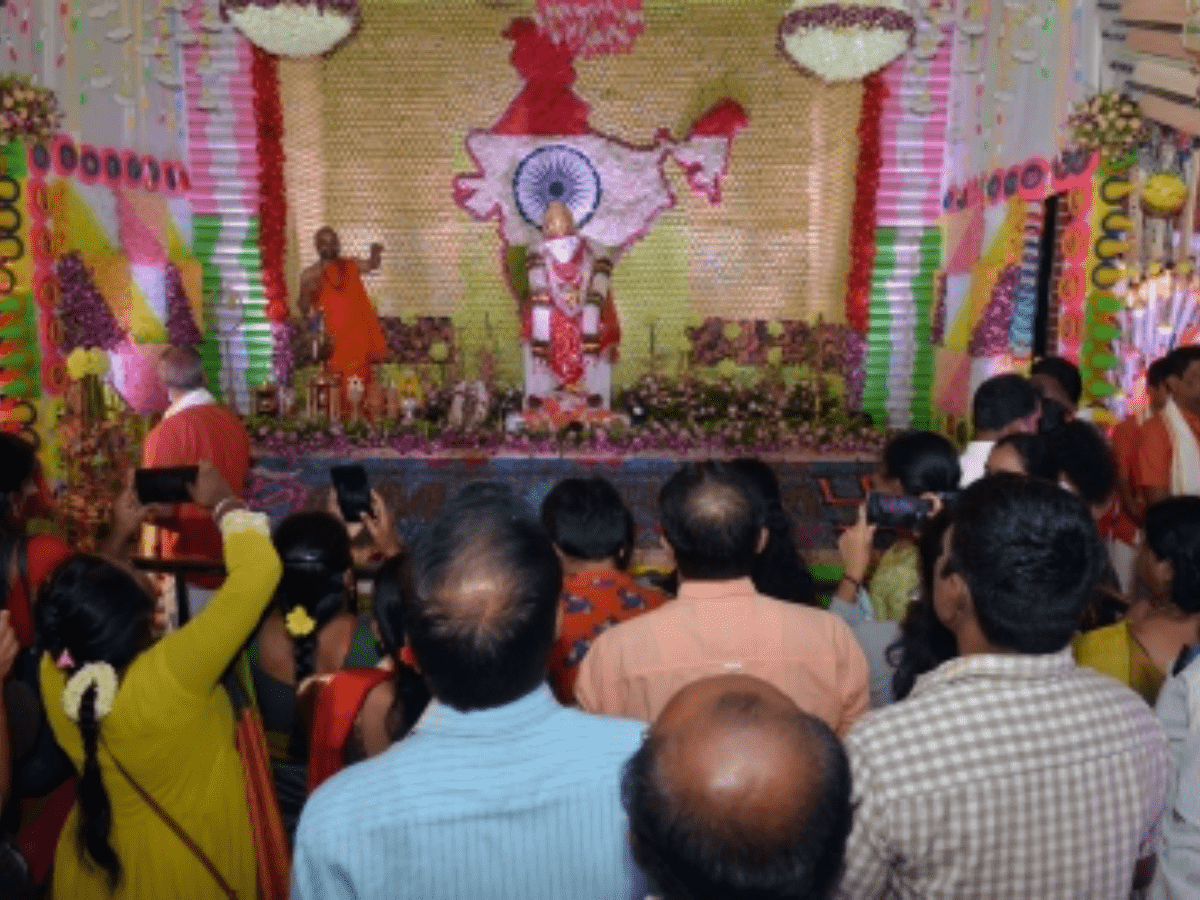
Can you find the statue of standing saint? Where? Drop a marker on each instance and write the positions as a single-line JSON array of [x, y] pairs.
[[569, 323]]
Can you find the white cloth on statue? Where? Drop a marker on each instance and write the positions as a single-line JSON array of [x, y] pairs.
[[1185, 454], [541, 380]]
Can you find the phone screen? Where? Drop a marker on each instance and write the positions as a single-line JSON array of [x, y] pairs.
[[165, 485], [897, 511], [353, 491]]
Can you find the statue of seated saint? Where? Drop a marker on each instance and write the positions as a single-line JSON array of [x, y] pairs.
[[569, 324]]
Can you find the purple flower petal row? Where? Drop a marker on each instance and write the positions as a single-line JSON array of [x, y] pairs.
[[850, 15]]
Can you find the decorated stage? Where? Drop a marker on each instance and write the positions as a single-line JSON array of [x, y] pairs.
[[820, 491]]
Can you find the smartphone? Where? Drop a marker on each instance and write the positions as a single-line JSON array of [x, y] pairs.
[[353, 491], [897, 511], [168, 484]]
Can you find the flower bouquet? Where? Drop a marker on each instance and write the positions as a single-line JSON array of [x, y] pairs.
[[27, 112]]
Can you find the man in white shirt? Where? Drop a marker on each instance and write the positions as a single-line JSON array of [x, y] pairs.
[[1003, 405]]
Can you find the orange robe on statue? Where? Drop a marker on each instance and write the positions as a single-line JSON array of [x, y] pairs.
[[350, 320]]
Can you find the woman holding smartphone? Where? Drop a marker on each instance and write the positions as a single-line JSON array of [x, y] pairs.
[[912, 465], [162, 808]]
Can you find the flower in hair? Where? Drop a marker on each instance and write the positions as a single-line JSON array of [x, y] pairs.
[[299, 623], [103, 677], [65, 661]]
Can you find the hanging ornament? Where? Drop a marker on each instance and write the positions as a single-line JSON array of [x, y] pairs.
[[1164, 194], [293, 27], [592, 27], [845, 41]]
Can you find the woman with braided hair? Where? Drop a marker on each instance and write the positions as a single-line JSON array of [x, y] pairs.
[[312, 630], [162, 807]]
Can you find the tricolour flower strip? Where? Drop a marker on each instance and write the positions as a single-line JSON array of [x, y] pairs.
[[907, 241], [225, 198]]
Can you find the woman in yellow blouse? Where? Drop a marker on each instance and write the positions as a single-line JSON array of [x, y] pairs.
[[117, 700], [913, 463], [1141, 650]]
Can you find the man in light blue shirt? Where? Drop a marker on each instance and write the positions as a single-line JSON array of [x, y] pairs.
[[498, 792]]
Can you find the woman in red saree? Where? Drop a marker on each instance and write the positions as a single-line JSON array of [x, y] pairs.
[[361, 712]]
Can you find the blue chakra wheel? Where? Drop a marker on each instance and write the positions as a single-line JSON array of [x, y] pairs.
[[556, 172]]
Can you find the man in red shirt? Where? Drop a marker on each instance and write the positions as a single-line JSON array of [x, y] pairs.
[[1168, 461], [593, 533], [193, 428]]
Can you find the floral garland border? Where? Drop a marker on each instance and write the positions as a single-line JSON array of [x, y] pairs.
[[272, 207], [866, 191]]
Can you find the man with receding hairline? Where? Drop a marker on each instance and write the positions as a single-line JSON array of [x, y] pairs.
[[737, 793], [714, 524], [498, 791], [195, 427]]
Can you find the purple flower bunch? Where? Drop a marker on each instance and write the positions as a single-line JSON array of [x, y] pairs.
[[855, 370], [283, 342], [181, 324], [991, 335], [411, 344], [86, 319], [748, 342]]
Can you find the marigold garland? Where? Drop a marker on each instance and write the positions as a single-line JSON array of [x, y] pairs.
[[866, 189], [272, 206]]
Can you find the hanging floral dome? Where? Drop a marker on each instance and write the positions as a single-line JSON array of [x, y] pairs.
[[293, 27], [845, 41]]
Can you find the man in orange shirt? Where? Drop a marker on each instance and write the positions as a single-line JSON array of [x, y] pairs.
[[1168, 460], [714, 524], [1126, 441], [195, 427], [593, 534]]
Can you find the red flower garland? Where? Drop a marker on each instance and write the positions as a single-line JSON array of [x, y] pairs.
[[866, 190], [272, 207]]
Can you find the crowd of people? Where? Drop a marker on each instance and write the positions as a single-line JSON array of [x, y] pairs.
[[1001, 704]]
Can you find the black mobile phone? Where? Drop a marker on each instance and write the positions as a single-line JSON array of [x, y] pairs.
[[353, 491], [897, 510], [167, 484]]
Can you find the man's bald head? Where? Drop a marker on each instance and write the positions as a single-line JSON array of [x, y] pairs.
[[487, 582], [181, 369], [738, 793], [713, 518]]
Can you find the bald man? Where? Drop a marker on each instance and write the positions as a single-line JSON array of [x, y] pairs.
[[333, 286], [738, 793], [499, 791], [195, 427], [714, 525]]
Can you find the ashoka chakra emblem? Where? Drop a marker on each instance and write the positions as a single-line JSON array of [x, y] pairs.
[[556, 172]]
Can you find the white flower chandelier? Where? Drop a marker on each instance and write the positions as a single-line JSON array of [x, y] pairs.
[[293, 27], [845, 41]]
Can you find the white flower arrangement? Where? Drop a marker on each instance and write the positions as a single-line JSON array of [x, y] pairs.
[[293, 27], [845, 41], [100, 674]]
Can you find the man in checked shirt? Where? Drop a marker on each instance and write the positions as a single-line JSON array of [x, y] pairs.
[[1009, 772]]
